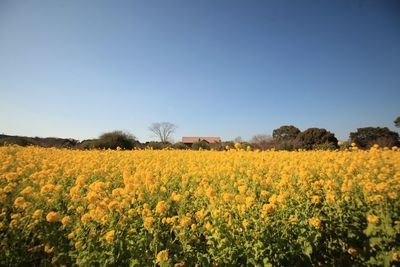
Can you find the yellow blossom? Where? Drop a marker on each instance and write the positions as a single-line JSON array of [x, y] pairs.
[[176, 197], [245, 223], [162, 256], [161, 207], [37, 214], [48, 249], [53, 216], [66, 220], [314, 221], [109, 236], [293, 218], [315, 199], [373, 219], [352, 251], [78, 245], [148, 223], [19, 202], [185, 221], [86, 218], [268, 208]]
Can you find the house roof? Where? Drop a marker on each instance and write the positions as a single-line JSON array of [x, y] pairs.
[[194, 139]]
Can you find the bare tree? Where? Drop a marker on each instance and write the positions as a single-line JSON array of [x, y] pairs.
[[238, 139], [262, 141], [163, 130], [397, 122]]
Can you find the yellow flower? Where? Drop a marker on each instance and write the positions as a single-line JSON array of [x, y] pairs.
[[80, 180], [185, 221], [392, 195], [162, 256], [79, 209], [268, 208], [176, 197], [249, 202], [245, 223], [117, 192], [109, 236], [37, 214], [315, 199], [242, 189], [228, 197], [86, 218], [78, 245], [70, 236], [19, 202], [208, 226], [161, 207], [53, 216], [395, 256], [314, 221], [293, 218], [146, 212], [210, 192], [201, 214], [48, 249], [27, 190], [352, 251], [66, 220], [92, 197], [148, 223], [113, 205], [373, 219], [264, 193]]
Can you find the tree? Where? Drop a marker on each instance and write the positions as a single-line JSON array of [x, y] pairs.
[[201, 144], [368, 136], [116, 139], [180, 145], [317, 138], [163, 130], [262, 141], [157, 145], [397, 122], [285, 132], [238, 139]]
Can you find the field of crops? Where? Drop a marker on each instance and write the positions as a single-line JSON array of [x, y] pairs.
[[185, 208]]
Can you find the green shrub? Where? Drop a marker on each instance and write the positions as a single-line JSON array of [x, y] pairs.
[[115, 139], [179, 145], [158, 145], [368, 136], [312, 138], [220, 146], [201, 144], [289, 145]]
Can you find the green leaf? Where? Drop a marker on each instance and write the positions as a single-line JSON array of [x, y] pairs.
[[266, 262], [307, 249], [134, 262]]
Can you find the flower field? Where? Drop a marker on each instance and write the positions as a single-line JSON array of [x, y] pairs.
[[186, 208]]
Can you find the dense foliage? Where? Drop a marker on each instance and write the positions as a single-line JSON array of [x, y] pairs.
[[368, 136], [238, 207], [317, 138]]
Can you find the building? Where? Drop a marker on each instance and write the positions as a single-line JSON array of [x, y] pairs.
[[189, 140]]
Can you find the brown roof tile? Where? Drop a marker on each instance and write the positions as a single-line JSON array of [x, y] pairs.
[[194, 139]]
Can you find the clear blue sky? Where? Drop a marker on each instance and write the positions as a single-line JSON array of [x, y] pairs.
[[219, 68]]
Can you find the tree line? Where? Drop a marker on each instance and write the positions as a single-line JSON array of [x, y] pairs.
[[286, 137]]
